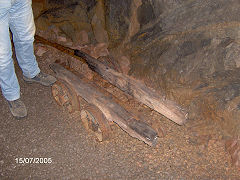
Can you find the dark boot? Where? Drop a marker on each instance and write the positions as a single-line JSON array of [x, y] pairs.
[[17, 108], [41, 78]]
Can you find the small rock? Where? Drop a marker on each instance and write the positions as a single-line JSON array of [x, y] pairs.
[[99, 31], [69, 44], [82, 37], [100, 50], [125, 64], [34, 150], [87, 49], [61, 39]]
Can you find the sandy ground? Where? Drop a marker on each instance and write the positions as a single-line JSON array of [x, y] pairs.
[[51, 132]]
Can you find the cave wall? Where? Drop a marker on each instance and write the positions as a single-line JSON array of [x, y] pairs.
[[133, 16], [187, 49]]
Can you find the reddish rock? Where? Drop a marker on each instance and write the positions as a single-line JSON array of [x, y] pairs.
[[87, 49], [82, 37], [96, 51], [124, 64], [61, 39], [98, 23], [100, 50], [134, 25]]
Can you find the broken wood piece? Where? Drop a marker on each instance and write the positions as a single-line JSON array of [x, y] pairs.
[[233, 148], [131, 86], [136, 89], [105, 103]]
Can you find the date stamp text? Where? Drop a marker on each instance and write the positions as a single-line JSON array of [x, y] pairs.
[[33, 160]]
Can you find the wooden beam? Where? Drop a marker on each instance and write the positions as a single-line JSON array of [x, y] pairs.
[[113, 112], [131, 86], [136, 89]]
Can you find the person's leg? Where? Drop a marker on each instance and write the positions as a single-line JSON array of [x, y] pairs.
[[8, 80], [23, 29]]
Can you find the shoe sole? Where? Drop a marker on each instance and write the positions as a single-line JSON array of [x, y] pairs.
[[19, 118], [37, 82]]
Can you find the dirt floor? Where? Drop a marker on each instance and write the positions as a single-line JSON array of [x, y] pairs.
[[49, 131]]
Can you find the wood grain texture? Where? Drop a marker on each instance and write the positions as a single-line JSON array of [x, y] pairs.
[[111, 110], [136, 89]]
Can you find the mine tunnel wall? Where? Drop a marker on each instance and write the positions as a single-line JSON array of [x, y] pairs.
[[189, 50]]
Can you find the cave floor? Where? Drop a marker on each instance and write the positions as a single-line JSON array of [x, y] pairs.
[[51, 132]]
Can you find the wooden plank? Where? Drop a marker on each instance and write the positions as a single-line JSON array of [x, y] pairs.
[[136, 89], [111, 110], [131, 86]]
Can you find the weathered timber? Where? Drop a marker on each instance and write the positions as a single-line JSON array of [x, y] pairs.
[[136, 89], [131, 86], [91, 93]]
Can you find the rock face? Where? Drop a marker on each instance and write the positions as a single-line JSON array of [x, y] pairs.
[[187, 49]]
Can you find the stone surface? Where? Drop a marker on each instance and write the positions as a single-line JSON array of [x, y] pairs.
[[98, 23], [124, 63], [82, 38], [185, 46]]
